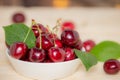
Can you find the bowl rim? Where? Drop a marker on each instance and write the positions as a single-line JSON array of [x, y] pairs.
[[8, 55]]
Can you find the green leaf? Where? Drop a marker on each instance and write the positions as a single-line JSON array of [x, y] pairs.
[[19, 33], [106, 50], [87, 58]]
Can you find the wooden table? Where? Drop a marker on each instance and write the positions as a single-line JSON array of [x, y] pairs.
[[92, 23]]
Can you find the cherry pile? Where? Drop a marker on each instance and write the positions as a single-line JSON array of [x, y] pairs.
[[49, 47]]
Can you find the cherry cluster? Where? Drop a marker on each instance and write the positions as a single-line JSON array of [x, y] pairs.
[[49, 47]]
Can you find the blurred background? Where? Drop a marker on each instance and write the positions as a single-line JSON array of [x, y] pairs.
[[61, 3], [91, 17]]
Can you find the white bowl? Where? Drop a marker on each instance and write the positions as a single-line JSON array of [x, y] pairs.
[[44, 71]]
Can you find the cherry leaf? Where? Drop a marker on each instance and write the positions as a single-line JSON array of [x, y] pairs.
[[106, 50], [87, 59], [19, 33]]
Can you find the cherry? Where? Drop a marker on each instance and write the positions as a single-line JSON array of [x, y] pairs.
[[52, 35], [78, 45], [18, 50], [41, 27], [46, 41], [58, 43], [37, 55], [69, 54], [18, 18], [68, 25], [111, 66], [48, 61], [56, 54], [69, 37], [26, 56], [88, 45]]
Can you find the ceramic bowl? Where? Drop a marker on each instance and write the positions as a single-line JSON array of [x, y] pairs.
[[44, 71]]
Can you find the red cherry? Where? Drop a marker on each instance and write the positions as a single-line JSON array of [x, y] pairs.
[[111, 66], [37, 55], [69, 54], [26, 56], [78, 45], [41, 27], [18, 50], [48, 61], [58, 43], [69, 37], [68, 25], [52, 36], [56, 54], [88, 45], [18, 18], [47, 42]]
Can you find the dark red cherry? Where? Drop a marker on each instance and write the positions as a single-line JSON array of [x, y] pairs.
[[36, 32], [69, 54], [48, 61], [56, 54], [68, 25], [37, 55], [26, 56], [88, 45], [18, 18], [35, 28], [46, 41], [69, 37], [111, 66], [18, 50], [58, 43], [78, 45], [52, 36]]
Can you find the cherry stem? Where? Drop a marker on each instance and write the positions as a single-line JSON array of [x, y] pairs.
[[27, 35], [48, 28], [55, 29], [58, 23], [52, 32], [33, 22], [53, 37], [40, 36]]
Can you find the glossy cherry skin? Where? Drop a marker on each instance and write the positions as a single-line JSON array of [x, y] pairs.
[[37, 55], [46, 41], [69, 54], [26, 56], [111, 66], [69, 37], [88, 45], [58, 43], [35, 28], [68, 25], [56, 54], [18, 50], [18, 18], [52, 36]]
